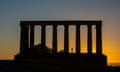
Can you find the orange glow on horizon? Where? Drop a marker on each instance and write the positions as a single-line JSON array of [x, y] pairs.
[[107, 46]]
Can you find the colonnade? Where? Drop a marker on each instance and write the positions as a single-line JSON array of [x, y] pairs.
[[27, 38]]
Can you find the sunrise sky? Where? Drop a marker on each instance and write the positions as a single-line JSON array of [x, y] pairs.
[[13, 11]]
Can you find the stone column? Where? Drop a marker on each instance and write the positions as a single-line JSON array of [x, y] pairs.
[[99, 39], [78, 39], [89, 39], [43, 36], [32, 36], [66, 39], [54, 43], [24, 37]]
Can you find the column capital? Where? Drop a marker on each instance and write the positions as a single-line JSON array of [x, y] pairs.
[[24, 26], [66, 25], [78, 24], [43, 25], [99, 25], [32, 25], [55, 26], [89, 25]]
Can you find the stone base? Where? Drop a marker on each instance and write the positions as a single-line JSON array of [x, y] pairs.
[[71, 60]]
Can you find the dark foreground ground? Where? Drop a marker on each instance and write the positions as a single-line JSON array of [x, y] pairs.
[[37, 66]]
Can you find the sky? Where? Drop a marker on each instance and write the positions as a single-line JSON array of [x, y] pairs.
[[13, 11]]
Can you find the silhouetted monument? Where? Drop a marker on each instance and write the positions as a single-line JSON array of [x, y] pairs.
[[28, 50]]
